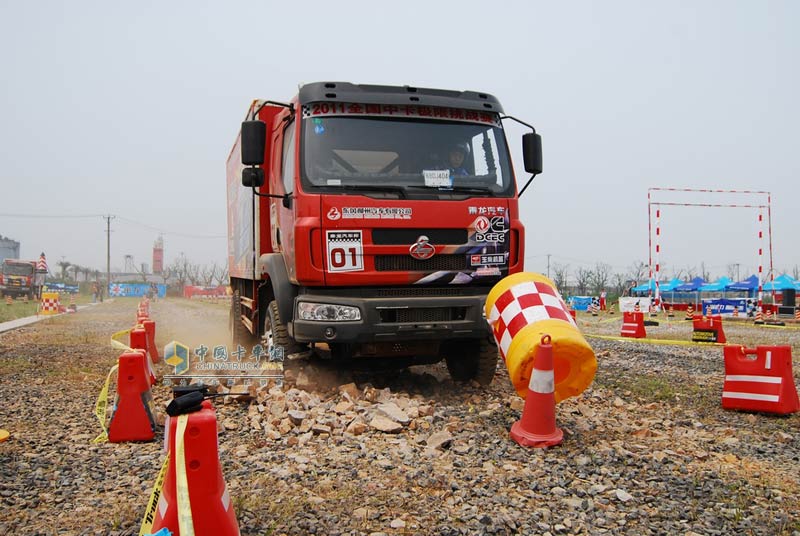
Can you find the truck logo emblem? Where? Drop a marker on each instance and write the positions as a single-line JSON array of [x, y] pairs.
[[422, 249], [482, 224], [334, 214]]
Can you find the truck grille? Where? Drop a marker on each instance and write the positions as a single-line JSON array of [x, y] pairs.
[[422, 315], [412, 292], [406, 263], [401, 237]]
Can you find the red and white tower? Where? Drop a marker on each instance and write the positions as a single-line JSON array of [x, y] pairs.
[[158, 255]]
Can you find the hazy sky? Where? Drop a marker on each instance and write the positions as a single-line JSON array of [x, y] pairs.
[[130, 109]]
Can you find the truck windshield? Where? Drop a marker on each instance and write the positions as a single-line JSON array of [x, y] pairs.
[[13, 268], [414, 156]]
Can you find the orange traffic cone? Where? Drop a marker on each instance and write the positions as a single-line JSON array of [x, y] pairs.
[[636, 307], [537, 426], [797, 314], [132, 419], [671, 312], [689, 312], [611, 309], [759, 316], [9, 299], [194, 496], [735, 311]]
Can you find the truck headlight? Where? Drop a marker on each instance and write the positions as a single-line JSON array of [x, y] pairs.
[[327, 312]]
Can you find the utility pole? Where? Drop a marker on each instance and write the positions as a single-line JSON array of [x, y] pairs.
[[548, 266], [108, 251], [737, 272]]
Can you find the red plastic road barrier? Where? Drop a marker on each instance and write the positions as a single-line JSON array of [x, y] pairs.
[[537, 426], [138, 340], [152, 349], [132, 419], [633, 325], [759, 379], [195, 476], [708, 329]]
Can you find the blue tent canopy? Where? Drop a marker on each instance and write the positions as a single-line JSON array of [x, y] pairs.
[[663, 286], [782, 282], [691, 286], [717, 286], [650, 286], [671, 286], [751, 283]]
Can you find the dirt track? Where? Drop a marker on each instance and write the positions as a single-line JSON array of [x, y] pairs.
[[647, 448]]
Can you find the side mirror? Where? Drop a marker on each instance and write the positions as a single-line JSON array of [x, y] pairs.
[[254, 141], [253, 177], [532, 152]]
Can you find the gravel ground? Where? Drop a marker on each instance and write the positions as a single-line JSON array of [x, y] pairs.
[[647, 449]]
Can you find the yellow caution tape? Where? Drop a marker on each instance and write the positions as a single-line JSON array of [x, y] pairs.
[[120, 345], [656, 341], [100, 407], [152, 504], [185, 524]]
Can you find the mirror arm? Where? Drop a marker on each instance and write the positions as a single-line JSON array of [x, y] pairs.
[[274, 196], [518, 121], [275, 103], [532, 130], [526, 185]]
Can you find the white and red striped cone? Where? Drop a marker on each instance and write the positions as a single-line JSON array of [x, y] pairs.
[[797, 314], [537, 426], [759, 317]]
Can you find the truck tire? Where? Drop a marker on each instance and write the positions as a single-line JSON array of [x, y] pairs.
[[239, 333], [276, 335], [474, 359]]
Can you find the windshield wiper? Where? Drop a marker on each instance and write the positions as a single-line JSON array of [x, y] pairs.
[[456, 189], [374, 188]]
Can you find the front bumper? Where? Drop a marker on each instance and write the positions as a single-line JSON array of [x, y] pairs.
[[395, 319]]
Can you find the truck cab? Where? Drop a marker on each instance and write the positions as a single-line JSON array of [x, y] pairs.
[[17, 278], [374, 220]]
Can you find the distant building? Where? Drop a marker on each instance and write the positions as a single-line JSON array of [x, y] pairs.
[[158, 256], [9, 249]]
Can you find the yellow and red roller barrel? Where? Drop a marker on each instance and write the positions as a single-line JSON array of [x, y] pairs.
[[522, 308]]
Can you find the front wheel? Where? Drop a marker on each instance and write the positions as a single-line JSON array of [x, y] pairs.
[[473, 359], [276, 335]]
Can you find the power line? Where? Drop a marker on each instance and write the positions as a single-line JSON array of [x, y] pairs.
[[121, 218]]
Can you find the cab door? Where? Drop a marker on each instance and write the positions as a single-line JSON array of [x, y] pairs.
[[283, 217]]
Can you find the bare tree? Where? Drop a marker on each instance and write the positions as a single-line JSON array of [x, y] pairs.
[[222, 275], [600, 277], [796, 272], [165, 275], [179, 270], [560, 274], [619, 283], [193, 273], [208, 274], [142, 273], [582, 278], [64, 265], [638, 271]]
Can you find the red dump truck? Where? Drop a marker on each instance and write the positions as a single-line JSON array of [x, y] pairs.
[[374, 220], [18, 278]]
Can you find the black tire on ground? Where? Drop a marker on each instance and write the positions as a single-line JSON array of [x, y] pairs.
[[474, 359], [239, 333], [276, 335]]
